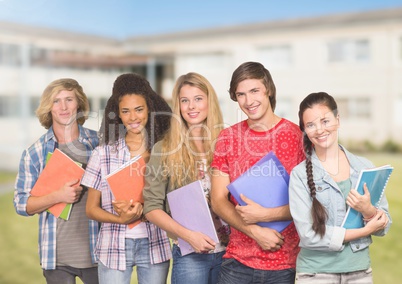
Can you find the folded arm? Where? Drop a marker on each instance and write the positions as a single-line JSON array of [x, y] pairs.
[[128, 212], [252, 212], [267, 238]]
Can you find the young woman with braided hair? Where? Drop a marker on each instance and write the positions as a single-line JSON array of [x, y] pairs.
[[320, 190], [318, 214]]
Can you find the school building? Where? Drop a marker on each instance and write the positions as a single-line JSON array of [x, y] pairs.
[[356, 57]]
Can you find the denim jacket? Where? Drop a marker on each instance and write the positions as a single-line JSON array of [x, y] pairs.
[[331, 197]]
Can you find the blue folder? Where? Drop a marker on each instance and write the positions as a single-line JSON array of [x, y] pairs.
[[266, 183], [376, 180]]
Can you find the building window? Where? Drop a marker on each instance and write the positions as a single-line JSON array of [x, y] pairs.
[[9, 106], [354, 108], [10, 54], [283, 107], [38, 56], [398, 107], [278, 56], [102, 104], [349, 51], [400, 48], [34, 104], [206, 61]]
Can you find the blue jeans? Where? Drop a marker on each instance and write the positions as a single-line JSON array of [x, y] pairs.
[[233, 271], [195, 268], [137, 254]]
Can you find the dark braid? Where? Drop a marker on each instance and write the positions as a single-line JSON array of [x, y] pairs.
[[318, 211]]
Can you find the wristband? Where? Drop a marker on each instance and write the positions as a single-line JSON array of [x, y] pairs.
[[368, 219]]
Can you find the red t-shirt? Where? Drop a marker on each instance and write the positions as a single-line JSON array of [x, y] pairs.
[[237, 149]]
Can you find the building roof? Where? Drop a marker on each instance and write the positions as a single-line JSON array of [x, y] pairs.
[[342, 19], [65, 48], [28, 31]]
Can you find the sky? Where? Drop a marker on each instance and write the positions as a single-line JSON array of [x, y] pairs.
[[129, 18]]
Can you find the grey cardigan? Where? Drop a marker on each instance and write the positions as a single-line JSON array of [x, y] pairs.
[[156, 184]]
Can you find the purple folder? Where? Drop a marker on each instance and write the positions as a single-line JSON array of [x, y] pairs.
[[266, 183], [189, 207]]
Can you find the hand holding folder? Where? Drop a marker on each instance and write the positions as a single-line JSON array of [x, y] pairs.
[[251, 211], [127, 182], [265, 183], [376, 180], [189, 208], [59, 170]]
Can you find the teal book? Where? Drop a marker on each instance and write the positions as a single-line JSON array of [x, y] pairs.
[[376, 180]]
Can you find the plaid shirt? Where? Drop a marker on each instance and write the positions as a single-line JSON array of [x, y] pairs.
[[31, 165], [110, 249]]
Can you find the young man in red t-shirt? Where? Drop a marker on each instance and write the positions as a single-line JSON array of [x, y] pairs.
[[255, 254]]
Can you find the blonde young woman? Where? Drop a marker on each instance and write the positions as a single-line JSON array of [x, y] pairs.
[[184, 156]]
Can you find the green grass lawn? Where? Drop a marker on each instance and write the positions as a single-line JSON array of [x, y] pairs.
[[19, 261], [386, 251], [19, 258]]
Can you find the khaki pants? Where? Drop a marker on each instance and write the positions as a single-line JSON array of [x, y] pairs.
[[357, 277]]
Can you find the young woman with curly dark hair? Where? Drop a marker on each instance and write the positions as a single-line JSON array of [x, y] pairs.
[[135, 119]]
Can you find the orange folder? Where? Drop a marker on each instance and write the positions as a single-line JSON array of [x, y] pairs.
[[127, 182], [58, 170]]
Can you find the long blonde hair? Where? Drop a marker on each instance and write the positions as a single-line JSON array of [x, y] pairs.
[[179, 155]]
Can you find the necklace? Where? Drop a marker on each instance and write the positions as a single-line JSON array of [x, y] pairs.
[[338, 167]]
